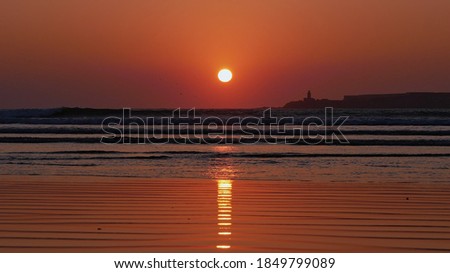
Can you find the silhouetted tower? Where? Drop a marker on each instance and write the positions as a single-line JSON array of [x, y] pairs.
[[309, 95]]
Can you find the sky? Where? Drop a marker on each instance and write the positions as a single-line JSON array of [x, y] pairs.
[[166, 54]]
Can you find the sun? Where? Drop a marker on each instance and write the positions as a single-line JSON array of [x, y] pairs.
[[225, 75]]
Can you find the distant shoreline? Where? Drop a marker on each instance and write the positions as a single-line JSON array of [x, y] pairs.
[[410, 100]]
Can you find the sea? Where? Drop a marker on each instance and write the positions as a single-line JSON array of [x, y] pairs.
[[370, 145]]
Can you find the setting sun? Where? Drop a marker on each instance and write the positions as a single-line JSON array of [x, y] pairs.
[[225, 75]]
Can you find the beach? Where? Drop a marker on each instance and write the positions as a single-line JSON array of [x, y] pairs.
[[385, 190], [107, 214]]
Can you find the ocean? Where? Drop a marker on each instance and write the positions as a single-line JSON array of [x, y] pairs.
[[382, 145]]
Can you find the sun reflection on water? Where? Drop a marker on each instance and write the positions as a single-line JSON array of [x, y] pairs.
[[224, 212]]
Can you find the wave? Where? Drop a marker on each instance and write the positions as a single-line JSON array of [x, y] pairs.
[[296, 155], [193, 141], [174, 154], [287, 132], [28, 113], [107, 152], [412, 121], [89, 112], [159, 157], [82, 116], [50, 164]]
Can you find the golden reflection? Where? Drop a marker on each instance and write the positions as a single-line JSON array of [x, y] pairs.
[[223, 148], [223, 246], [224, 212]]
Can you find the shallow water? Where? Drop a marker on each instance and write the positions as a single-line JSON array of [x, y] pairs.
[[92, 214], [261, 162]]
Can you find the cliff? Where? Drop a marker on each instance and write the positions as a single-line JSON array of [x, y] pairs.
[[402, 100]]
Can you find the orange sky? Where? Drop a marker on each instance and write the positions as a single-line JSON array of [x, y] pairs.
[[164, 54]]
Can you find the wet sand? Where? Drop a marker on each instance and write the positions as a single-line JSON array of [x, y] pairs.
[[99, 214]]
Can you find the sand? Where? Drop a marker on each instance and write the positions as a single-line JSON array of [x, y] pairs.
[[100, 214]]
